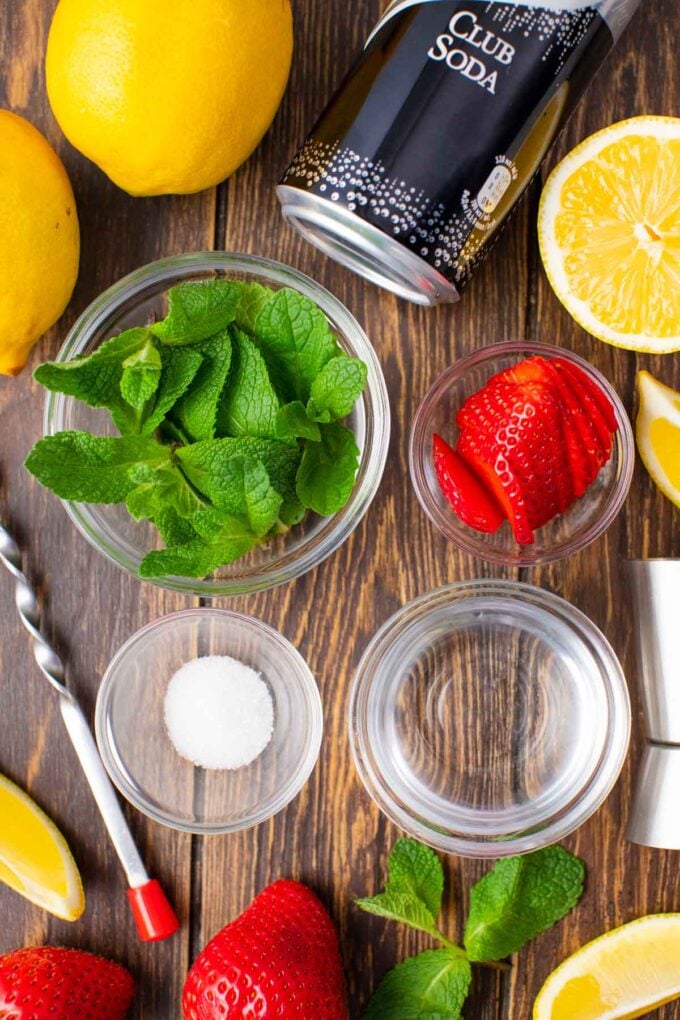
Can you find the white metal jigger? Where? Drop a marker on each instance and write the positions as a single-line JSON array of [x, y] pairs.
[[655, 593], [154, 917]]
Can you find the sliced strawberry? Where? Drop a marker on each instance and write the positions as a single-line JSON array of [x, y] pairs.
[[595, 401], [530, 370], [488, 408], [524, 424], [599, 396], [465, 493], [537, 435], [489, 464], [583, 445]]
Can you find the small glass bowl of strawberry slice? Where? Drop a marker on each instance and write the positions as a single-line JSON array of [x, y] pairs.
[[522, 453]]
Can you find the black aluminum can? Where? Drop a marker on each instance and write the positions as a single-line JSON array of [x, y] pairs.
[[419, 159]]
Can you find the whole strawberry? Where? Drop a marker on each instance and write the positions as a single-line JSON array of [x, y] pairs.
[[47, 983], [280, 959]]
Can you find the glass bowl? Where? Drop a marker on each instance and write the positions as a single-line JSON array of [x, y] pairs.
[[139, 299], [489, 718], [587, 518], [137, 750]]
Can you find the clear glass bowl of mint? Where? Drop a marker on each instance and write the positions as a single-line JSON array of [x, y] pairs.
[[215, 424]]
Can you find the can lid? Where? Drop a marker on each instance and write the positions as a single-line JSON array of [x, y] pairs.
[[655, 819], [364, 248]]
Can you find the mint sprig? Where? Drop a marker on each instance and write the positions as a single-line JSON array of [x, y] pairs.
[[229, 413], [431, 986], [520, 898]]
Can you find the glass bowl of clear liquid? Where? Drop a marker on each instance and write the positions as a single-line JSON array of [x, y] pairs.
[[489, 718]]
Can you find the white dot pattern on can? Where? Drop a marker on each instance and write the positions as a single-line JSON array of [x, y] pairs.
[[364, 187]]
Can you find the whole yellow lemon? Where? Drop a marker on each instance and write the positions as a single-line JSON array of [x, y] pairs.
[[168, 96], [39, 239]]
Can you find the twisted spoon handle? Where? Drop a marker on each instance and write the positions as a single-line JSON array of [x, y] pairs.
[[27, 605], [153, 914]]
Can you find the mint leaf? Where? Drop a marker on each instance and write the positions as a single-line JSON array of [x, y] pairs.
[[208, 466], [415, 869], [141, 375], [96, 378], [249, 403], [413, 892], [174, 528], [95, 469], [431, 986], [296, 341], [402, 907], [196, 410], [180, 366], [200, 558], [520, 898], [336, 389], [246, 492], [197, 310], [252, 299], [292, 423], [328, 470], [166, 489]]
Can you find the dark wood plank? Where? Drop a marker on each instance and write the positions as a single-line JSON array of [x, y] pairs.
[[332, 836]]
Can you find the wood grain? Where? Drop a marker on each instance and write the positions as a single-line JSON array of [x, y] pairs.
[[331, 836]]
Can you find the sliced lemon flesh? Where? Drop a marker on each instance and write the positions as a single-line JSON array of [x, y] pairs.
[[35, 859], [609, 233], [658, 434], [624, 974]]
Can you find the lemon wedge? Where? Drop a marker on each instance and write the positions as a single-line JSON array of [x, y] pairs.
[[34, 857], [624, 974], [609, 233], [658, 434]]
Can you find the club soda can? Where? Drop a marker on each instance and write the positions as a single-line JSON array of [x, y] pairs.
[[419, 159]]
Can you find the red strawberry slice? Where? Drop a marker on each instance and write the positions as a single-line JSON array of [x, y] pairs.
[[523, 424], [280, 960], [47, 983], [493, 469], [583, 443], [489, 408], [468, 498], [595, 402], [530, 370], [599, 396]]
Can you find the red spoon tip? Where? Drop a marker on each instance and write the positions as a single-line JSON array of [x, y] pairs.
[[154, 917]]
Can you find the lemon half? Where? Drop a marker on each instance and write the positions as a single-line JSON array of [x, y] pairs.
[[609, 233], [34, 857], [658, 434], [624, 974]]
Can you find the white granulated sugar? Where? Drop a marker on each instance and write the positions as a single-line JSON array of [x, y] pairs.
[[219, 712]]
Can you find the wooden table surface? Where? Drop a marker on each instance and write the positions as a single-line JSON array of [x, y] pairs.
[[332, 836]]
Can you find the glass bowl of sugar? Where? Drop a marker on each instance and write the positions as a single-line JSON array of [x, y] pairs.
[[209, 721]]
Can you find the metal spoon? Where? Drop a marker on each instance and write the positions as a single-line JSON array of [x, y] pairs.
[[154, 917]]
